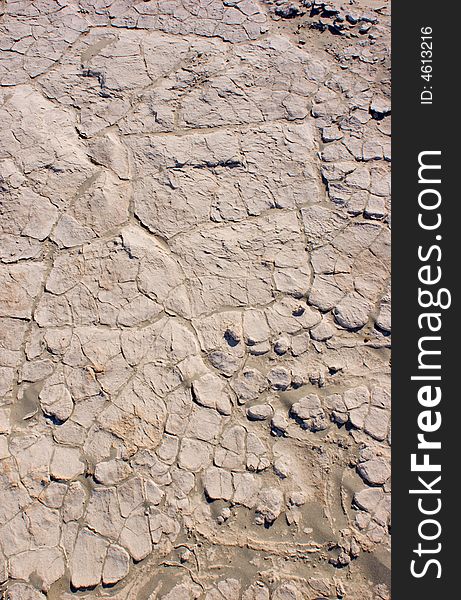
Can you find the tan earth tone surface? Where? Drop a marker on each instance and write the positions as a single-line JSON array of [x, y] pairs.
[[195, 300]]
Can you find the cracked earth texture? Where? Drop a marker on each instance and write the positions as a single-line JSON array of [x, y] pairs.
[[195, 300]]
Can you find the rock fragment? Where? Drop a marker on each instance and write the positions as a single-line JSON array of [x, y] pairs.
[[88, 559], [209, 392], [269, 505], [116, 565], [309, 412], [66, 464], [259, 412], [279, 423], [23, 591], [352, 312], [218, 484], [375, 471], [111, 472], [279, 378], [136, 536]]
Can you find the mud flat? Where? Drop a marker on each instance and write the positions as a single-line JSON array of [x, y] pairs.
[[195, 300]]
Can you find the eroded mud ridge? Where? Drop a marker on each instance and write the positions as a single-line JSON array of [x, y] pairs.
[[194, 300]]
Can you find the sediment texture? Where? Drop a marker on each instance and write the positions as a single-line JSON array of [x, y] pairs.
[[194, 300]]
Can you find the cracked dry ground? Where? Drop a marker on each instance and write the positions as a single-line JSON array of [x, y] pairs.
[[194, 300]]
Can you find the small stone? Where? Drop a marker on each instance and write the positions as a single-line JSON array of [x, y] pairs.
[[380, 397], [103, 512], [23, 591], [66, 464], [340, 418], [168, 449], [255, 327], [355, 397], [288, 11], [153, 493], [53, 495], [368, 499], [181, 591], [224, 362], [281, 346], [69, 232], [269, 505], [297, 381], [353, 18], [282, 467], [37, 370], [380, 107], [74, 502], [209, 392], [259, 412], [225, 513], [331, 134], [230, 453], [375, 471], [247, 487], [260, 348], [130, 495], [279, 423], [87, 559], [309, 411], [300, 343], [136, 536], [45, 565], [323, 331], [384, 318], [342, 560], [286, 591], [185, 555], [279, 378], [257, 458], [56, 402], [249, 384], [297, 498], [194, 455], [232, 336], [218, 484], [357, 416], [204, 424], [352, 312], [112, 471], [257, 591], [377, 423], [376, 207], [116, 565]]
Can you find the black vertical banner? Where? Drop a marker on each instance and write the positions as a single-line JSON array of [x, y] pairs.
[[425, 272]]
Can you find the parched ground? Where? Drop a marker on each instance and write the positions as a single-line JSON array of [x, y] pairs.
[[195, 300]]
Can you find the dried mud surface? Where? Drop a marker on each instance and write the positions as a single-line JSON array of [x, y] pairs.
[[195, 300]]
